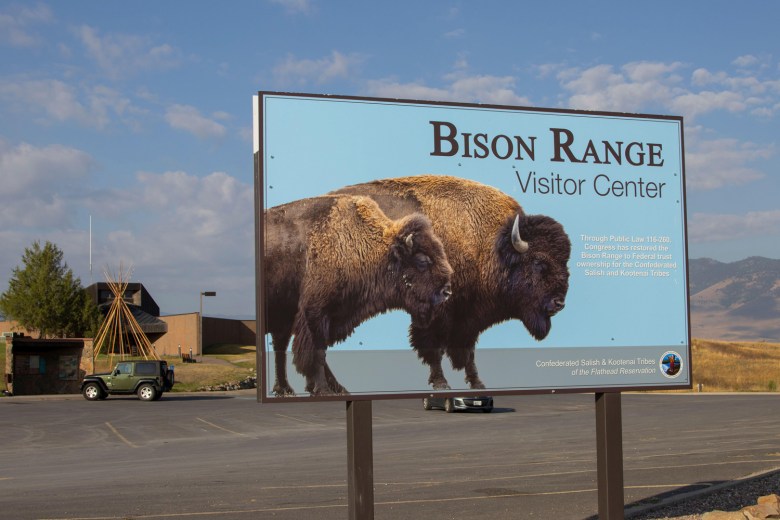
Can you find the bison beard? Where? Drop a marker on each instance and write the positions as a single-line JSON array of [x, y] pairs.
[[507, 265], [331, 263]]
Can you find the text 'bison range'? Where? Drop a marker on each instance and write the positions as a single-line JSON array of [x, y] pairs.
[[334, 261]]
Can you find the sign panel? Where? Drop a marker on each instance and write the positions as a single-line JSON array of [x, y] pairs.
[[406, 248]]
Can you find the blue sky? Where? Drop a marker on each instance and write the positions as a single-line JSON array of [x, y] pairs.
[[139, 113]]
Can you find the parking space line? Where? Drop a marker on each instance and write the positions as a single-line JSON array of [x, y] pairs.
[[299, 420], [220, 427], [417, 483], [121, 437]]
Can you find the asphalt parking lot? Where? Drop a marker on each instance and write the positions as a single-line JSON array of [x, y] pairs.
[[221, 456]]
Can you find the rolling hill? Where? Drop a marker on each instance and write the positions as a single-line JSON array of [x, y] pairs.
[[735, 301]]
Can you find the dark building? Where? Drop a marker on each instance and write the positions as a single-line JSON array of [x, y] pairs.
[[46, 366], [141, 304]]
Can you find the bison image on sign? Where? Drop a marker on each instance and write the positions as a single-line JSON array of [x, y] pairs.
[[507, 265], [332, 262]]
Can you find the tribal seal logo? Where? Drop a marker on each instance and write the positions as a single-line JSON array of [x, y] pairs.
[[671, 364]]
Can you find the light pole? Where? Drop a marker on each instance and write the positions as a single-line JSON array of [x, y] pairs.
[[200, 320]]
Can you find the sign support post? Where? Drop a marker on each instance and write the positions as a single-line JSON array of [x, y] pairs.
[[360, 461], [609, 455]]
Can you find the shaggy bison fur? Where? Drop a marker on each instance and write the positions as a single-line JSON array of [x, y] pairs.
[[332, 262]]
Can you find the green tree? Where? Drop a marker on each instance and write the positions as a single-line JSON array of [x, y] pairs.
[[44, 297]]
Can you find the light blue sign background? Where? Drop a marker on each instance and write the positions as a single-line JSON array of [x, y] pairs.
[[312, 145]]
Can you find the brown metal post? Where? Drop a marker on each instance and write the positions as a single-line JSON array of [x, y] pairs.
[[360, 461], [609, 455]]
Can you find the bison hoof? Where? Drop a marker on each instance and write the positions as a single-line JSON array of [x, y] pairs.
[[440, 385], [340, 390], [477, 385], [335, 387], [320, 389], [283, 391]]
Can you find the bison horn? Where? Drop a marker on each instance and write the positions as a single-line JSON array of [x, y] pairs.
[[520, 245], [409, 241]]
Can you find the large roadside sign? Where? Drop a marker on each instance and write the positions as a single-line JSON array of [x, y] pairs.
[[406, 248]]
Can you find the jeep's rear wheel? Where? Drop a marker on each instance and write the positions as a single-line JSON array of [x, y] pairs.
[[146, 392], [92, 392]]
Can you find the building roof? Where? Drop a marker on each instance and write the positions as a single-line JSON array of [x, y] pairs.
[[149, 324]]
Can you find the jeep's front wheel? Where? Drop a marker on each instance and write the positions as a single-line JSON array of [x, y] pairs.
[[146, 392], [92, 392]]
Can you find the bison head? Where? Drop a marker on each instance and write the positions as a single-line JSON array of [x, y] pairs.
[[534, 251], [420, 268]]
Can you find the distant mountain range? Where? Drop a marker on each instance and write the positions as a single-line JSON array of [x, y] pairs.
[[735, 301]]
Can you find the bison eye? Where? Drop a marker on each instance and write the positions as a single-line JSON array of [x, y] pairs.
[[422, 262], [538, 267]]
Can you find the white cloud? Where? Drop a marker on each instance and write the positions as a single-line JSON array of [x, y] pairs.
[[455, 34], [693, 105], [323, 70], [29, 169], [16, 24], [475, 89], [202, 226], [635, 85], [748, 60], [749, 84], [58, 101], [36, 182], [643, 86], [296, 6], [723, 162], [119, 54], [711, 227], [392, 89], [189, 119], [206, 208], [646, 71], [487, 89]]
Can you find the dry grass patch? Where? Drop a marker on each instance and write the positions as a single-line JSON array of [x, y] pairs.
[[193, 376], [722, 366], [240, 355]]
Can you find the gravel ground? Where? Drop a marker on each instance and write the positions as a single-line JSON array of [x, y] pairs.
[[726, 497]]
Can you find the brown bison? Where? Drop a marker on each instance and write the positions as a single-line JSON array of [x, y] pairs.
[[507, 265], [331, 263]]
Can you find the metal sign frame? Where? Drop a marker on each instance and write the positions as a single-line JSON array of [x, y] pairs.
[[647, 189]]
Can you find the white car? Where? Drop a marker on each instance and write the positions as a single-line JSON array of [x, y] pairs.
[[450, 404]]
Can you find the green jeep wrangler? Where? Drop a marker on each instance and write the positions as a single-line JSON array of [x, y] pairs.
[[147, 378]]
